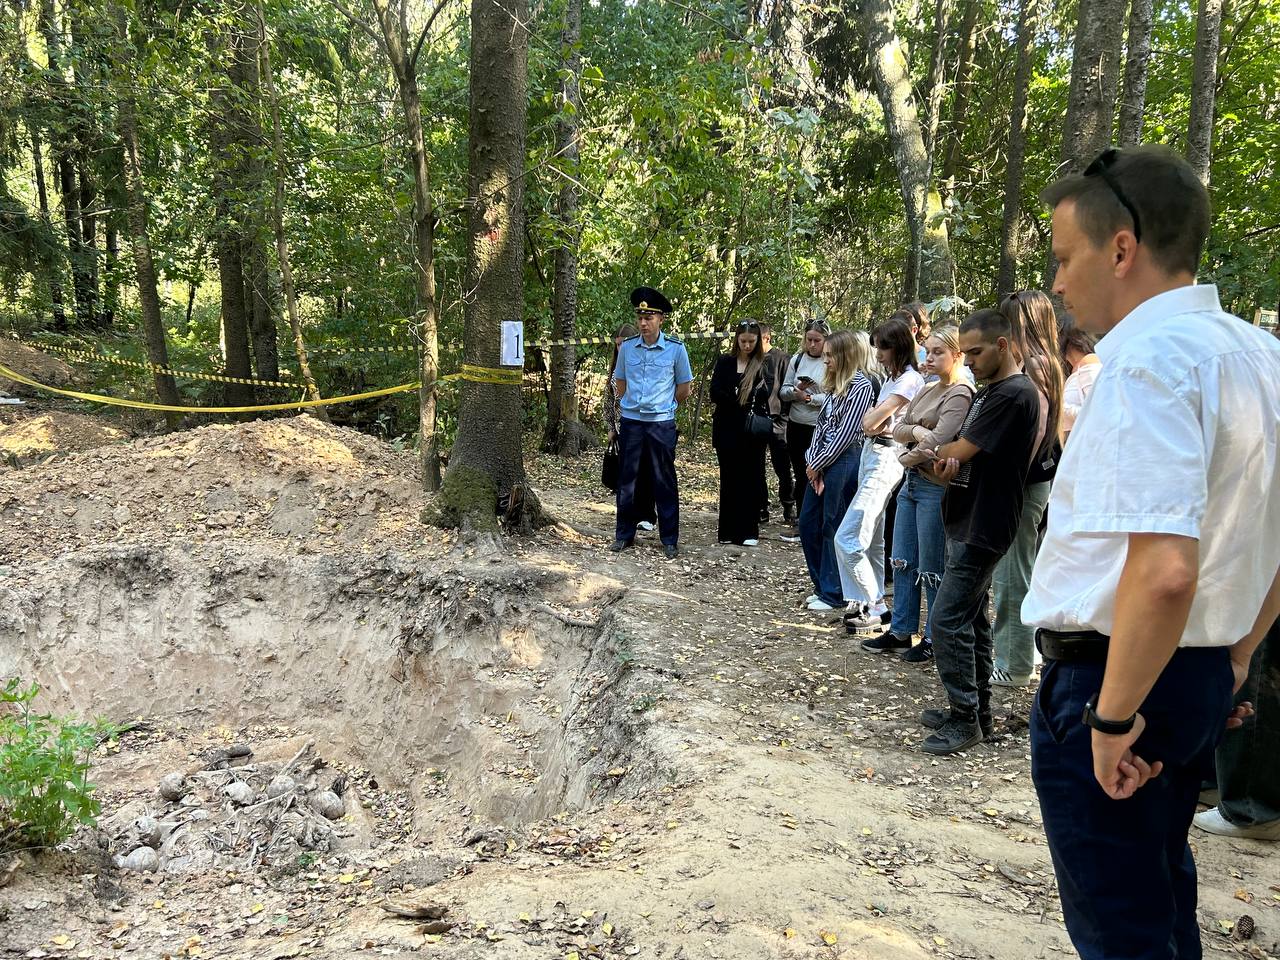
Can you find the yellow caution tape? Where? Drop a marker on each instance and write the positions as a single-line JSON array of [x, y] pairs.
[[16, 377], [506, 376], [173, 372]]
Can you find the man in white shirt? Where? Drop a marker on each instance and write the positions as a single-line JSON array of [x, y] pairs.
[[1159, 572]]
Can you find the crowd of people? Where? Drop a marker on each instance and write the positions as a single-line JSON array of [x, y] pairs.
[[1112, 501]]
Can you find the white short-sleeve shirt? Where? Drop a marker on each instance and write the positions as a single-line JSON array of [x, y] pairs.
[[905, 385], [1181, 435]]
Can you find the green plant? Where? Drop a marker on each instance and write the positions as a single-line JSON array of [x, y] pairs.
[[44, 765]]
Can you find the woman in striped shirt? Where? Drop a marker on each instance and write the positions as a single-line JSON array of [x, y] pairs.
[[832, 461]]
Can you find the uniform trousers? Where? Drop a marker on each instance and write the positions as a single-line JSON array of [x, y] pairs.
[[1125, 872], [649, 448]]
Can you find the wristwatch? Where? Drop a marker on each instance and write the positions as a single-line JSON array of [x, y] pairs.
[[1111, 727]]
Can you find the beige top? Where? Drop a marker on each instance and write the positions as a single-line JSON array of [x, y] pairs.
[[940, 408]]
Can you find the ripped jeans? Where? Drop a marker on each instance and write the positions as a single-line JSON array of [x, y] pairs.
[[918, 552]]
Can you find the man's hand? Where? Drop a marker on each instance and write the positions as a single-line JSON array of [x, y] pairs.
[[1120, 771], [946, 470], [1238, 714]]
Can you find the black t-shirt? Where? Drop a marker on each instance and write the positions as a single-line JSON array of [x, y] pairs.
[[983, 504]]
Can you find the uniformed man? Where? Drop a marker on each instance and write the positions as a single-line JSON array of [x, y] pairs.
[[652, 379]]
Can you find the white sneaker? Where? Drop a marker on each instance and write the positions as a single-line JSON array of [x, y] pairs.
[[789, 538], [817, 603], [810, 598], [878, 609], [751, 543], [1212, 821], [644, 525]]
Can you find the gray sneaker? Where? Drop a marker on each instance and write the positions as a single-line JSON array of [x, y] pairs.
[[952, 737]]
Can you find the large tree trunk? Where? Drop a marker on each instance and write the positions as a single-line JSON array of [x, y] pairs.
[[396, 38], [1091, 100], [486, 465], [227, 121], [257, 264], [936, 88], [922, 205], [564, 434], [1133, 102], [135, 190], [277, 219], [87, 145], [42, 197], [1008, 278], [1204, 81], [111, 271]]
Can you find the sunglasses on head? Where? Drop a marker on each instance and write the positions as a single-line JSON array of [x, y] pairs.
[[820, 325], [1101, 167]]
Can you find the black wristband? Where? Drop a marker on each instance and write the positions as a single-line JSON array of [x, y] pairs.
[[1112, 727]]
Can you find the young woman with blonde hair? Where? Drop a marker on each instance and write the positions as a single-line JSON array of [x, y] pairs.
[[832, 461]]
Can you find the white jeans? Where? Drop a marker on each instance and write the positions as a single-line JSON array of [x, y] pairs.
[[860, 540]]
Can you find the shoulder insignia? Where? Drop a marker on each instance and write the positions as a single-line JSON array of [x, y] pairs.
[[676, 340], [629, 339]]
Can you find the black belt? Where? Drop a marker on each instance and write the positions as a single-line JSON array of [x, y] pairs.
[[1073, 646], [882, 441]]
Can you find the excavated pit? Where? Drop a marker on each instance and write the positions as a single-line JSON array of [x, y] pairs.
[[507, 680]]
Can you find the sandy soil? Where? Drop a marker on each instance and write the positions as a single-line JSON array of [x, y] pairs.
[[689, 764]]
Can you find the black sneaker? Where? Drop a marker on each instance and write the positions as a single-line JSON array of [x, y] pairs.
[[619, 545], [885, 643], [671, 550], [922, 652], [935, 717], [952, 737]]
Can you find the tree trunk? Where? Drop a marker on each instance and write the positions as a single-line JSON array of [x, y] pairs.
[[936, 88], [564, 434], [1133, 102], [395, 36], [42, 196], [486, 465], [960, 100], [277, 217], [1204, 81], [1091, 100], [257, 264], [61, 149], [85, 73], [928, 232], [1008, 278], [135, 190], [226, 110], [111, 271]]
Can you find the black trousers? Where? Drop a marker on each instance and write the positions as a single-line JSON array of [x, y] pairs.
[[1248, 771], [741, 460], [778, 456], [799, 436], [647, 448], [962, 644]]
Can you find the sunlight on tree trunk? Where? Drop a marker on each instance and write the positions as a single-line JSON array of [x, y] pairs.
[[1204, 80]]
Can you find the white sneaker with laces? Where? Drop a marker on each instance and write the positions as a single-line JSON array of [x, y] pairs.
[[644, 525], [1212, 821]]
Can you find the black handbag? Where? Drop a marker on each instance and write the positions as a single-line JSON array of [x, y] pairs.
[[611, 466], [759, 426]]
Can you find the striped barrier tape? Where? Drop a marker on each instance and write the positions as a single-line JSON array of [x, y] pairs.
[[598, 341], [91, 355]]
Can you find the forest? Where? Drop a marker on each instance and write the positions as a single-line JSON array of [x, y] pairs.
[[319, 198]]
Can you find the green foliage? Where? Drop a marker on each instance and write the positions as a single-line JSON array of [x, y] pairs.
[[44, 766]]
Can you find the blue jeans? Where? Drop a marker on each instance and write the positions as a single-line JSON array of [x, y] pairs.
[[919, 547], [820, 517], [1125, 873]]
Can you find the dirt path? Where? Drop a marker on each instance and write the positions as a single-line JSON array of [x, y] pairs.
[[638, 757]]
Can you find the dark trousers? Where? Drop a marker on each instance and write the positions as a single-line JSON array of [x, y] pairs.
[[648, 448], [1125, 873], [741, 460], [799, 436], [820, 519], [1247, 764], [962, 647], [781, 460]]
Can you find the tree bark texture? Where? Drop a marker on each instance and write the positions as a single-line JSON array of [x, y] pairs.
[[393, 21], [936, 88], [42, 198], [487, 452], [277, 217], [226, 109], [1133, 101], [1204, 81], [563, 433], [1017, 151], [135, 190], [926, 228]]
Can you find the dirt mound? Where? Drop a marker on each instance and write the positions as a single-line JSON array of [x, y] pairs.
[[51, 432], [22, 359], [273, 479]]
